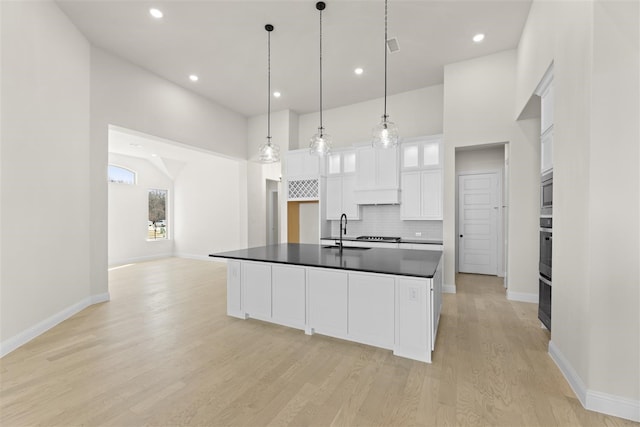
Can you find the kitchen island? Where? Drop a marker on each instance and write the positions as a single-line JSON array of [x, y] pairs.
[[388, 298]]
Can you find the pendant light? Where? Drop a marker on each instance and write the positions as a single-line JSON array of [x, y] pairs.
[[269, 152], [320, 144], [385, 135]]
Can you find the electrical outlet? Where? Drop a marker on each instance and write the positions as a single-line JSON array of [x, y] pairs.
[[413, 294], [418, 233]]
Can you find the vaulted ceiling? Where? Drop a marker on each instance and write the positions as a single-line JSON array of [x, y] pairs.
[[225, 44]]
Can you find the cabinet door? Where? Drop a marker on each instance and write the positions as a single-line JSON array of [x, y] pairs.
[[411, 201], [387, 168], [234, 289], [327, 302], [349, 205], [431, 154], [288, 296], [546, 151], [295, 163], [546, 107], [349, 162], [371, 309], [410, 156], [333, 161], [311, 164], [366, 171], [334, 197], [256, 287], [432, 194], [413, 299]]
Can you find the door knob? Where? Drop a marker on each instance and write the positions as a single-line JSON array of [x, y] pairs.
[[461, 235]]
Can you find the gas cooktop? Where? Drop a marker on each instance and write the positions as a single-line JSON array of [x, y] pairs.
[[378, 238]]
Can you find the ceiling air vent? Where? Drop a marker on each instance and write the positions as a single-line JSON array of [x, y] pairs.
[[392, 45]]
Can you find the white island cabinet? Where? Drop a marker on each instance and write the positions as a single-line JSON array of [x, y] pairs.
[[391, 311]]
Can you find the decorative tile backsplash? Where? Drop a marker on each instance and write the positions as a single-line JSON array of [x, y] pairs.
[[384, 220]]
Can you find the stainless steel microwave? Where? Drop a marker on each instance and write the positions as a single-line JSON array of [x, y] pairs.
[[546, 194]]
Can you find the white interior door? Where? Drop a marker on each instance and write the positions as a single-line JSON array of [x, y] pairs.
[[478, 205]]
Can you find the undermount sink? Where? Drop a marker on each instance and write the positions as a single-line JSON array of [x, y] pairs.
[[352, 248]]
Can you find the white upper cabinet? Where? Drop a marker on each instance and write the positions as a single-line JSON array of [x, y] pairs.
[[341, 162], [377, 180], [334, 164], [546, 93], [421, 195], [349, 162], [421, 180], [302, 164], [422, 153], [410, 156], [546, 151], [340, 185], [546, 112]]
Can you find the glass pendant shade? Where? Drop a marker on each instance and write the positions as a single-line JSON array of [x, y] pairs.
[[268, 152], [320, 143], [385, 135]]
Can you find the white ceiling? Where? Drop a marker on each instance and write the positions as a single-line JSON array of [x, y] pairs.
[[168, 156], [225, 44]]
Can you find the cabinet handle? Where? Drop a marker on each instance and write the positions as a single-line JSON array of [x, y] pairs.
[[461, 235]]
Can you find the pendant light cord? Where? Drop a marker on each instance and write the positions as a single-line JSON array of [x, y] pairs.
[[321, 127], [385, 60], [269, 87]]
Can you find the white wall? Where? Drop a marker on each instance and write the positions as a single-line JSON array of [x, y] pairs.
[[478, 110], [309, 223], [45, 264], [125, 95], [614, 198], [129, 213], [210, 207], [596, 326], [417, 113]]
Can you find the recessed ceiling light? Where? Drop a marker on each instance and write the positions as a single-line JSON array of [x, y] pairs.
[[156, 13], [358, 71], [277, 94], [478, 37], [193, 78], [154, 155]]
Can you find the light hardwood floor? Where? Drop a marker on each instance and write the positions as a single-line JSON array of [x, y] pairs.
[[163, 352]]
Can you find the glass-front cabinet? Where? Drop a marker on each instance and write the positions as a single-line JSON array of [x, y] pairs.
[[421, 178]]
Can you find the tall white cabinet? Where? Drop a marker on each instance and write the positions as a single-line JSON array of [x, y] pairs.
[[421, 179], [341, 183], [545, 91]]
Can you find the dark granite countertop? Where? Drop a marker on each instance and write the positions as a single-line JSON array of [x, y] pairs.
[[402, 240], [403, 262]]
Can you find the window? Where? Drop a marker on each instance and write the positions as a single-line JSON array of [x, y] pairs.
[[121, 175], [157, 226]]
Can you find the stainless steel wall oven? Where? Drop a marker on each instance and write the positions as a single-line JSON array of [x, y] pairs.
[[545, 269]]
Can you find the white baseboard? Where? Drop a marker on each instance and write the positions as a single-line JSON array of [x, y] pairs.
[[449, 289], [592, 400], [522, 297], [8, 345], [114, 263], [613, 405], [198, 257], [569, 373]]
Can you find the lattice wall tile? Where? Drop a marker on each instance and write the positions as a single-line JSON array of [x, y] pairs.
[[304, 189]]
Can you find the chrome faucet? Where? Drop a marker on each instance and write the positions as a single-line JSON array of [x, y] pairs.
[[343, 229]]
